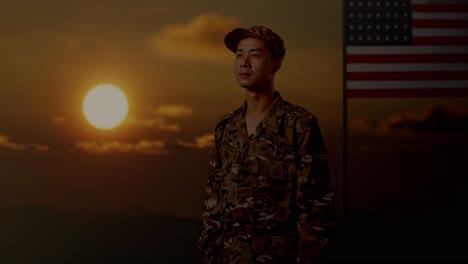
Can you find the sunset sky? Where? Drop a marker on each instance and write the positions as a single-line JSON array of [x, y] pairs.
[[169, 58]]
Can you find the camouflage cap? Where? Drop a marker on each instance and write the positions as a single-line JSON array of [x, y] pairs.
[[272, 40]]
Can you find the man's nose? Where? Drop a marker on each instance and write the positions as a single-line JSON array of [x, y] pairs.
[[245, 62]]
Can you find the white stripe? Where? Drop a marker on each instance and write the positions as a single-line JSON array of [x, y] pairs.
[[433, 15], [406, 49], [405, 84], [429, 2], [430, 32], [405, 67]]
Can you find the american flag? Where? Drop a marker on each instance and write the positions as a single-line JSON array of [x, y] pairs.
[[406, 48]]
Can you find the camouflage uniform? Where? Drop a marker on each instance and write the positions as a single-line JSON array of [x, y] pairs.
[[269, 197]]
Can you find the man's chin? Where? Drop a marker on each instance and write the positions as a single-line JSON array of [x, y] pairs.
[[250, 87], [245, 85]]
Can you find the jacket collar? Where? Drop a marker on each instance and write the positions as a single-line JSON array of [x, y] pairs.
[[272, 120]]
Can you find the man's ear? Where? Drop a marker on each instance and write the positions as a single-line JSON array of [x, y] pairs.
[[277, 64]]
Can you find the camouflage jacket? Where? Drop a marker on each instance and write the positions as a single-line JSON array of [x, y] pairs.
[[269, 196]]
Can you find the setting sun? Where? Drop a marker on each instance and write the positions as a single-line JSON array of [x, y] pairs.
[[105, 106]]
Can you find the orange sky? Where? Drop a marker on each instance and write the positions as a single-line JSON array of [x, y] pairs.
[[163, 55]]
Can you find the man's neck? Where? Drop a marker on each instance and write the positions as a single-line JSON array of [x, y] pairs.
[[258, 103]]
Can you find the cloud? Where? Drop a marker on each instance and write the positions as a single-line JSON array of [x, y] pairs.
[[156, 117], [58, 120], [200, 39], [173, 110], [203, 142], [434, 120], [141, 147], [151, 122], [6, 143]]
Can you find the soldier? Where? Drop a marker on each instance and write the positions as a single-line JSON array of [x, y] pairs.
[[269, 196]]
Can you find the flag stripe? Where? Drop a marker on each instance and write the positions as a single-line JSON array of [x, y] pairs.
[[409, 67], [447, 92], [443, 23], [410, 58], [437, 32], [456, 8], [432, 41], [365, 50], [407, 84], [352, 76], [442, 16], [432, 2]]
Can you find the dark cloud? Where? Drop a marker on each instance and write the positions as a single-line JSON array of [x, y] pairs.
[[203, 142], [435, 120], [157, 117], [200, 39], [5, 142], [438, 119], [141, 147]]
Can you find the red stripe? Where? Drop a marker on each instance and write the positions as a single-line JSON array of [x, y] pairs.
[[408, 58], [405, 76], [450, 41], [371, 93], [428, 23], [453, 8]]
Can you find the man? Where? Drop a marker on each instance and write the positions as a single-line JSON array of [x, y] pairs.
[[269, 197]]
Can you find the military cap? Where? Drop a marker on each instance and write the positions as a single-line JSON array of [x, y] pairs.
[[272, 40]]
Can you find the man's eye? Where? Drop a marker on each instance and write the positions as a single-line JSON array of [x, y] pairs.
[[238, 55], [255, 55]]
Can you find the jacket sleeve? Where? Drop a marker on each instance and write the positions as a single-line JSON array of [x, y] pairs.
[[315, 197], [210, 238]]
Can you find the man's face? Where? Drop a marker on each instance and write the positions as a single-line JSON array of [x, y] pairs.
[[254, 65]]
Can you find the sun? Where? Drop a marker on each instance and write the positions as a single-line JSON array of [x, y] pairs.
[[105, 106]]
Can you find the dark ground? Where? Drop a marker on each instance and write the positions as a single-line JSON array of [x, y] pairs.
[[43, 235]]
